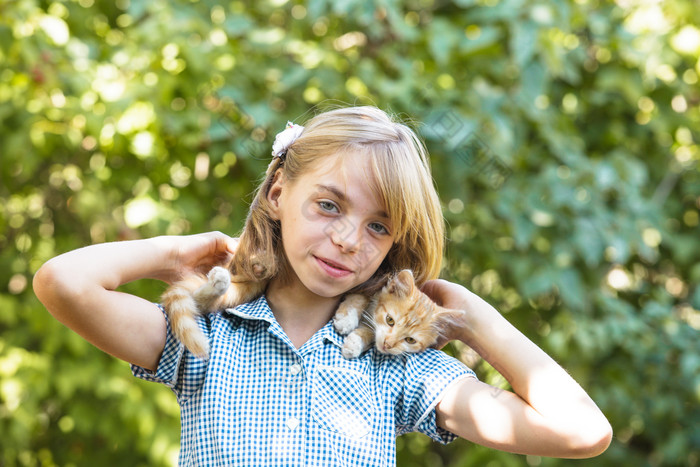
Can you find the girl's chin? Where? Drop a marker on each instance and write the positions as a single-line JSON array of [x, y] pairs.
[[324, 291]]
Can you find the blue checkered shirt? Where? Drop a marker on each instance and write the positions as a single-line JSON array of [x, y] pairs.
[[260, 401]]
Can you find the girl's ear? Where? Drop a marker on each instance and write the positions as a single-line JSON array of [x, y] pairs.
[[274, 194]]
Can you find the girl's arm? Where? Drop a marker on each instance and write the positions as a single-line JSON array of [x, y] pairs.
[[548, 414], [79, 289]]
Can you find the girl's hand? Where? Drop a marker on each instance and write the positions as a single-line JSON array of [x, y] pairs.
[[197, 253], [447, 294], [452, 296]]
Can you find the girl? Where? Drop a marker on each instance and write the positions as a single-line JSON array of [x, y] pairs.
[[344, 201]]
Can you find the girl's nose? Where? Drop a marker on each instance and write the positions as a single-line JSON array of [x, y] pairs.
[[347, 236]]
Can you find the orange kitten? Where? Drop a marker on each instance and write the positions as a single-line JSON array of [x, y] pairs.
[[399, 319], [198, 294]]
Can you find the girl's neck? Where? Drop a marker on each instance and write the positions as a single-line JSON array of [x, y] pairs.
[[300, 312]]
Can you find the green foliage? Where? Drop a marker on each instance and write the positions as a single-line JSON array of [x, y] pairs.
[[564, 140]]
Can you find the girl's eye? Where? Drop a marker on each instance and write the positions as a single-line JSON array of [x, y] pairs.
[[378, 228], [410, 340], [389, 320], [328, 206]]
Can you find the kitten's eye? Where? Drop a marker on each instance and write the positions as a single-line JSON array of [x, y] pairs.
[[410, 340], [389, 320]]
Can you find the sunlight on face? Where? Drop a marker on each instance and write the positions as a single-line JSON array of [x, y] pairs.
[[335, 230]]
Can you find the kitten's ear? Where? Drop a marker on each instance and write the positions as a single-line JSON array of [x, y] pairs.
[[447, 320], [401, 284]]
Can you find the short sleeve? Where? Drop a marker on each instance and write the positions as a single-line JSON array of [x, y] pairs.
[[427, 375], [177, 368]]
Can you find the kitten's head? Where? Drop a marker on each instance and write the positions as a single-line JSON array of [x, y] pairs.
[[405, 319]]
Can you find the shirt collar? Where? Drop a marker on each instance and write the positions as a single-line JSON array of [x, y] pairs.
[[329, 333], [259, 309]]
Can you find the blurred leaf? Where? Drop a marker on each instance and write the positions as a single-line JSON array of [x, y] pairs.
[[588, 241], [523, 41], [571, 289]]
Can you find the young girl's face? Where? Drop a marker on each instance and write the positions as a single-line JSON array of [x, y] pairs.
[[335, 230]]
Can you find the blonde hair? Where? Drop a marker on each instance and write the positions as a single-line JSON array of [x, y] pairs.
[[399, 164]]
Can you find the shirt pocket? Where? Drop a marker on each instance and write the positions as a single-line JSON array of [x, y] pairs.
[[342, 401]]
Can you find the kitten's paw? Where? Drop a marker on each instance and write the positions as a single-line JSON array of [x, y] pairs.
[[352, 347], [346, 322], [219, 279]]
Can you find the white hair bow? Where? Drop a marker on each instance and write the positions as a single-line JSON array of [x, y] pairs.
[[285, 138]]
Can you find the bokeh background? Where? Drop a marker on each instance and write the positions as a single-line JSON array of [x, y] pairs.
[[564, 142]]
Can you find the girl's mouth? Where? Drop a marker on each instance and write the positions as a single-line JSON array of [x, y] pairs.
[[332, 268]]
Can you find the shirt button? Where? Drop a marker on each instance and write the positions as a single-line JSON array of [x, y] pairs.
[[295, 369], [292, 422]]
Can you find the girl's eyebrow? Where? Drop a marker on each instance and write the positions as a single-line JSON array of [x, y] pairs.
[[342, 197], [338, 193]]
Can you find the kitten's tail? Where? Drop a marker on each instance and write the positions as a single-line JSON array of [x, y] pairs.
[[182, 309]]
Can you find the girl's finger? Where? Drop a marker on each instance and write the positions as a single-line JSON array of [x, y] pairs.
[[433, 291], [232, 244]]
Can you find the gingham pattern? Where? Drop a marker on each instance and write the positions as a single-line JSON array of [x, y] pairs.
[[260, 401]]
